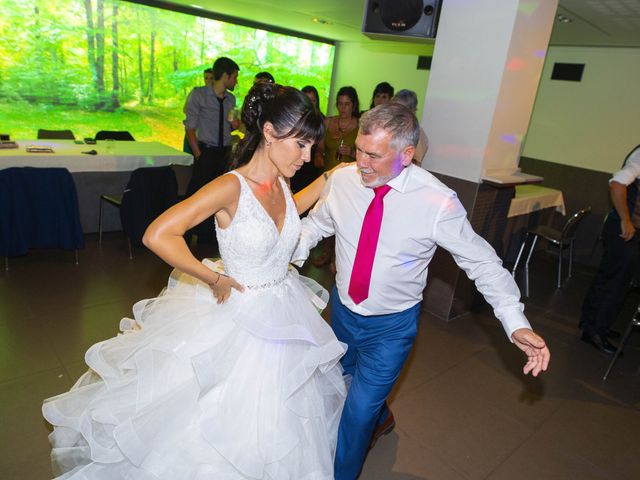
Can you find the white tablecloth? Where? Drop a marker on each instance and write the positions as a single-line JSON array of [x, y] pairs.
[[530, 198], [112, 156]]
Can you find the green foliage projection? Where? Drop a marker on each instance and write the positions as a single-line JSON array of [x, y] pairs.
[[92, 65]]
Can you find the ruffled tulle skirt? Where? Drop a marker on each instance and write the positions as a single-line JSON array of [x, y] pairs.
[[251, 388]]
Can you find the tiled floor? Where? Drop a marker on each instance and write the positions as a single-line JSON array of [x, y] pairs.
[[463, 409]]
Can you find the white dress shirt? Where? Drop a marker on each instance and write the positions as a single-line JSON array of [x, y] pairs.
[[630, 171], [420, 214]]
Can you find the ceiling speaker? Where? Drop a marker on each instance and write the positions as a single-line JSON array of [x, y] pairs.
[[409, 19]]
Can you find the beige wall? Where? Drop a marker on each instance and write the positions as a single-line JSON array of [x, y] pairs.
[[590, 124]]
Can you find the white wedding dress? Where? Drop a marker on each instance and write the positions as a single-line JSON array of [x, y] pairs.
[[248, 389]]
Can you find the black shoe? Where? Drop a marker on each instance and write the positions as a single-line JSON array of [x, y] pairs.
[[383, 429], [600, 343], [613, 334]]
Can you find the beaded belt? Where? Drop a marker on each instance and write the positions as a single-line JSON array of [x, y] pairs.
[[272, 283]]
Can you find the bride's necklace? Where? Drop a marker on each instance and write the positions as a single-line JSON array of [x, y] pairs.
[[263, 189]]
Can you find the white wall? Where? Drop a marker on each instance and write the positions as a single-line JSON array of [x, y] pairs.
[[593, 123]]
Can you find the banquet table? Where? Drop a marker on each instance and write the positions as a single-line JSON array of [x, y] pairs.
[[531, 198], [532, 205], [106, 171]]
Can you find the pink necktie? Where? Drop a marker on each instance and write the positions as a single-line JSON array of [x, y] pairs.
[[363, 263]]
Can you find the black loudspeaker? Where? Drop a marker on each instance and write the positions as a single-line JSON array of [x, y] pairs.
[[410, 19]]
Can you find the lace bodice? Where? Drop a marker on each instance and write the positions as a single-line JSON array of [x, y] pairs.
[[252, 250]]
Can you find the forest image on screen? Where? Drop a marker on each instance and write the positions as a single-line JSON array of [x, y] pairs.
[[90, 65]]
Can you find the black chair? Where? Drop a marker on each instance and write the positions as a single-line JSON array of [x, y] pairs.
[[149, 192], [55, 135], [115, 135], [560, 238], [38, 209], [183, 176], [635, 322]]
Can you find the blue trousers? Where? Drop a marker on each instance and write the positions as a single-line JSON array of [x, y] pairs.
[[378, 347]]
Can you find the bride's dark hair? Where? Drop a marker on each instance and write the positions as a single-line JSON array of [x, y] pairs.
[[289, 111]]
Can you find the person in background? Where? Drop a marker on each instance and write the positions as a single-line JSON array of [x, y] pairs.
[[621, 244], [409, 99], [381, 94], [384, 245], [207, 77], [308, 172], [341, 131], [209, 130], [312, 93], [265, 77]]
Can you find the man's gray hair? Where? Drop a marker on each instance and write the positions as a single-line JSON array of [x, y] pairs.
[[408, 98], [396, 119]]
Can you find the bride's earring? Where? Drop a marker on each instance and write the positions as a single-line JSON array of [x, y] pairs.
[[268, 143]]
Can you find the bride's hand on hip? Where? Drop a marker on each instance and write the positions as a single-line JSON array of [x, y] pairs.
[[221, 288]]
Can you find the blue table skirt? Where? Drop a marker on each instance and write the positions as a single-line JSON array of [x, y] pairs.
[[38, 208]]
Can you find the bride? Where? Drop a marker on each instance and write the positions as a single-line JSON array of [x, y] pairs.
[[230, 373]]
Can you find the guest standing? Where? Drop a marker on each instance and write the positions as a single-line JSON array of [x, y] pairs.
[[341, 131], [209, 130]]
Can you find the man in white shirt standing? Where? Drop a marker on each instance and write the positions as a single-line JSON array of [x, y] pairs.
[[388, 217], [621, 246]]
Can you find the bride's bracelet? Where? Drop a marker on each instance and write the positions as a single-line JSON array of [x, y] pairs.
[[217, 280]]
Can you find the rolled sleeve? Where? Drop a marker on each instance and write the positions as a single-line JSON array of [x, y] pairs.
[[481, 264], [192, 110], [630, 171]]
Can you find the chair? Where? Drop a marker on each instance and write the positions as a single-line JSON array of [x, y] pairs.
[[38, 209], [55, 135], [115, 135], [149, 192], [560, 238], [635, 322], [183, 176]]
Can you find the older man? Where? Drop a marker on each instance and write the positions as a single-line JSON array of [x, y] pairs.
[[388, 217]]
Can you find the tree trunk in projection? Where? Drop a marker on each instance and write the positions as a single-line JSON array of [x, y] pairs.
[[152, 65], [202, 42], [140, 69], [91, 41], [100, 54], [115, 91]]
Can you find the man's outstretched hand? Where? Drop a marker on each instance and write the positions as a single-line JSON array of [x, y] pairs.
[[535, 348]]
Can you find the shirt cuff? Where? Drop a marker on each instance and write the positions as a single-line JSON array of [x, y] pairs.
[[514, 321]]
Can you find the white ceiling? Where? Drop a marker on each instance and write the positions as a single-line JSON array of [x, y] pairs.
[[593, 22]]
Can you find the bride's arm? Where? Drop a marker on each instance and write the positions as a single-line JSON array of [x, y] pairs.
[[308, 196], [165, 235]]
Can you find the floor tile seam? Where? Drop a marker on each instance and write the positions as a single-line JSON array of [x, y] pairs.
[[601, 394], [434, 451], [442, 372], [31, 374], [533, 430]]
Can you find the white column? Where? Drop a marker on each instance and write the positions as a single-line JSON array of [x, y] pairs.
[[486, 67]]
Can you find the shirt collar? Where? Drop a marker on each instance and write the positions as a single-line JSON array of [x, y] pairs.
[[399, 183]]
